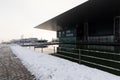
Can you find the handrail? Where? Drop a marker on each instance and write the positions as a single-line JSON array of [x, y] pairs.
[[101, 65], [68, 57], [69, 52], [97, 51], [95, 43], [90, 56], [101, 58]]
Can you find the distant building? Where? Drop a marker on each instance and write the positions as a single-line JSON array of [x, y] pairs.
[[25, 41], [94, 22]]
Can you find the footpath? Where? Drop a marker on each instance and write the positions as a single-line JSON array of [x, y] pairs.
[[11, 67]]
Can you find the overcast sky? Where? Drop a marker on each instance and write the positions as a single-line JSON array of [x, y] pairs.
[[19, 17]]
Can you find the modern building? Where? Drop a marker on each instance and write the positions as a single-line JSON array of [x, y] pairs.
[[91, 30]]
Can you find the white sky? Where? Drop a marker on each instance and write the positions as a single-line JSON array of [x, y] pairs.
[[18, 17]]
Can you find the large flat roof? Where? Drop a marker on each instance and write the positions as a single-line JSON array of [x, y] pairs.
[[91, 11]]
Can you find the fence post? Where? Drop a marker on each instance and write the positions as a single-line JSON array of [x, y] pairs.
[[54, 49], [34, 48], [59, 49], [79, 56], [41, 50]]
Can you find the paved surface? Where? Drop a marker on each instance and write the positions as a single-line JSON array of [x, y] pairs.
[[11, 67]]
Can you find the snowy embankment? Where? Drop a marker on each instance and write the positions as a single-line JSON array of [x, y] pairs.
[[47, 67]]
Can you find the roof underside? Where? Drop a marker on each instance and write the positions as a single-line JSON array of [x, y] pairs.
[[91, 11]]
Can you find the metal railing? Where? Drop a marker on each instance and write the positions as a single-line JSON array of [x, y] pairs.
[[65, 52], [48, 50], [99, 59]]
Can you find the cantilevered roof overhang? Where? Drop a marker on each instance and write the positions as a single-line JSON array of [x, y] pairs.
[[91, 11]]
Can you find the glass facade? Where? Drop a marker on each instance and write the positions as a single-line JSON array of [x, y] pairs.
[[67, 36], [93, 55]]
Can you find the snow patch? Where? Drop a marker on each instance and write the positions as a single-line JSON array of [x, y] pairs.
[[47, 67]]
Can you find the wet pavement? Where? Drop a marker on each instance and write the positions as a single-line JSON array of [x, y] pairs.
[[11, 67]]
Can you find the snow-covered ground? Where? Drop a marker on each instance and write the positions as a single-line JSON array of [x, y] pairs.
[[47, 67]]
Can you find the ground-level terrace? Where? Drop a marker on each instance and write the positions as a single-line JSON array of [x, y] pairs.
[[89, 34]]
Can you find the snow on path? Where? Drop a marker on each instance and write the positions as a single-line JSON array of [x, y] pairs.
[[47, 67]]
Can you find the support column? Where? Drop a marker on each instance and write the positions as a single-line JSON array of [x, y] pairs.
[[86, 32], [116, 29], [116, 32]]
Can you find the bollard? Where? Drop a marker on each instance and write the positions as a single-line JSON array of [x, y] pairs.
[[79, 56]]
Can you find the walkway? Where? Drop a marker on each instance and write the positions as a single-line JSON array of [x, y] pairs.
[[11, 67]]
